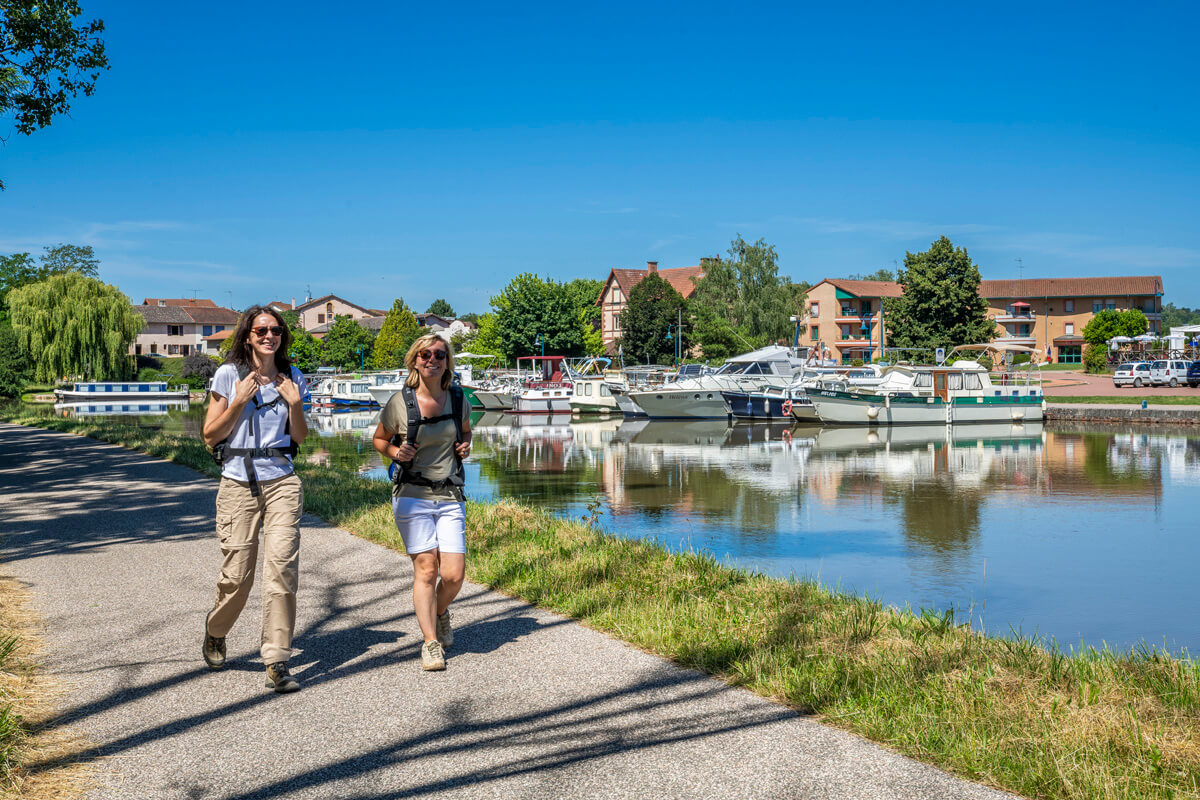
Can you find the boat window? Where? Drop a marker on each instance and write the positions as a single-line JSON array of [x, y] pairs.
[[696, 397], [972, 381], [956, 380], [923, 381], [604, 392], [710, 397], [358, 388]]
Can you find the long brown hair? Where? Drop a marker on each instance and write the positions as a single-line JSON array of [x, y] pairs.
[[410, 360], [240, 352]]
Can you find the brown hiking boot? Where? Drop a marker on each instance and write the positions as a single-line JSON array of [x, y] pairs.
[[214, 651], [279, 679]]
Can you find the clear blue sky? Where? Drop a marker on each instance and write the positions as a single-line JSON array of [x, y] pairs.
[[256, 151]]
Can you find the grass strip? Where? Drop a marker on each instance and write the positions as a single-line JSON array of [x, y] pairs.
[[1123, 400], [1005, 711]]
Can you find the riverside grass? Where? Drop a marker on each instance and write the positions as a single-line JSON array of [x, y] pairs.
[[1005, 711]]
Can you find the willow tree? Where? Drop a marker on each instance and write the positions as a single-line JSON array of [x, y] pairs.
[[400, 329], [71, 324]]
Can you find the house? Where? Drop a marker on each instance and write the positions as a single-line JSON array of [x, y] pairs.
[[322, 311], [845, 318], [179, 327], [614, 297]]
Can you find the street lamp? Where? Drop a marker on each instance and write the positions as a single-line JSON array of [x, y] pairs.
[[360, 358], [673, 334], [540, 340]]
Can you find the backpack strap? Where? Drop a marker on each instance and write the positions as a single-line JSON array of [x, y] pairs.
[[223, 451], [402, 472]]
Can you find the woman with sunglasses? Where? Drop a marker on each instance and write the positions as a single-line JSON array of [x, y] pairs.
[[427, 498], [256, 419]]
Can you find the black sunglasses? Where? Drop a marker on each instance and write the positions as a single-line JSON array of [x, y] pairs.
[[425, 355], [276, 330]]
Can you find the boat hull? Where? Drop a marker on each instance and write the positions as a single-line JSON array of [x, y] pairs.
[[842, 408], [67, 396], [541, 405], [744, 405], [494, 401], [682, 404]]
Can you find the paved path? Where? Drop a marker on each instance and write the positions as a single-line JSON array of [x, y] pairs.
[[121, 558]]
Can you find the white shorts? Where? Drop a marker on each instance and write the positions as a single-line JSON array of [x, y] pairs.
[[426, 525]]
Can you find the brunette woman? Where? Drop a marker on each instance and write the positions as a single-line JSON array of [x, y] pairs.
[[255, 422]]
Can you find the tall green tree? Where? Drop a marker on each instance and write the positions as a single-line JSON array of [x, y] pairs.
[[582, 294], [399, 331], [45, 60], [14, 370], [654, 306], [71, 324], [348, 344], [747, 289], [529, 309], [306, 351], [1109, 323], [442, 308], [487, 340], [941, 305], [715, 336], [71, 257]]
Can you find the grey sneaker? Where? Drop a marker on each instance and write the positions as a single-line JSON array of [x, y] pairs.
[[214, 651], [445, 634], [432, 656], [279, 679]]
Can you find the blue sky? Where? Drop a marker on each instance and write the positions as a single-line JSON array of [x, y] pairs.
[[261, 151]]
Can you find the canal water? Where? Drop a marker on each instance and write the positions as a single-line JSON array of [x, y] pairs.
[[1081, 534]]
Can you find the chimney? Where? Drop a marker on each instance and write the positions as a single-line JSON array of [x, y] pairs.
[[293, 304], [652, 266]]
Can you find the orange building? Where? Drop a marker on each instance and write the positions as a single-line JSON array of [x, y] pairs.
[[846, 319]]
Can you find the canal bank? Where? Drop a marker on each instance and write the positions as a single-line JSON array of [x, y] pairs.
[[920, 683], [1123, 414]]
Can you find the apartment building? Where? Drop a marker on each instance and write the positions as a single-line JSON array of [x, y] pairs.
[[614, 297], [845, 318]]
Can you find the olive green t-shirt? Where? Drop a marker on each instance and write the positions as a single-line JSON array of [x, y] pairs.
[[435, 448]]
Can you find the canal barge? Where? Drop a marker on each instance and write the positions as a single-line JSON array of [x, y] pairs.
[[109, 391]]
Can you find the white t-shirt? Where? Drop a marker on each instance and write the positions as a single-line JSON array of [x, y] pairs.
[[268, 426]]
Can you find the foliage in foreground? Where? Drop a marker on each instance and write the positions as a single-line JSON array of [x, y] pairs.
[[1009, 712]]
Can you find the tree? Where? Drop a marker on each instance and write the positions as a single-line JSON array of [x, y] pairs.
[[532, 313], [197, 369], [1173, 317], [45, 60], [582, 293], [71, 324], [712, 333], [747, 290], [306, 352], [877, 275], [471, 317], [487, 340], [400, 329], [941, 305], [14, 370], [348, 344], [1109, 323], [441, 308], [654, 306], [67, 257]]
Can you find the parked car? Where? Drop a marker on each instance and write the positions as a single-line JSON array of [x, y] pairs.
[[1135, 373], [1168, 372], [1193, 376]]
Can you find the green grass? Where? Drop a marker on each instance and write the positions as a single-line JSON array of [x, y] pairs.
[[12, 731], [1009, 712], [1168, 400]]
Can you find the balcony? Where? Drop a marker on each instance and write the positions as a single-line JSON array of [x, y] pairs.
[[855, 341], [1018, 316]]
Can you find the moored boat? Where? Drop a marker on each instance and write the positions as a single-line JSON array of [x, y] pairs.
[[700, 398], [548, 391], [103, 391]]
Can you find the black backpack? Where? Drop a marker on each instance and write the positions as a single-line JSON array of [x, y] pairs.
[[401, 472], [222, 452]]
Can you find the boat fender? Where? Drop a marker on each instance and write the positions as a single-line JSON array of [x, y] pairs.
[[872, 412]]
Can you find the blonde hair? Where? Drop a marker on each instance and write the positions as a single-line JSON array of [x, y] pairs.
[[410, 360]]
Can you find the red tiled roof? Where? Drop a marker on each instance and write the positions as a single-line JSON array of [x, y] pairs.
[[281, 305], [866, 288], [1073, 287], [219, 336], [680, 279], [215, 315], [326, 298], [180, 301]]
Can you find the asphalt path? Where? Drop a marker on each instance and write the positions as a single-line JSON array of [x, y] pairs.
[[120, 554]]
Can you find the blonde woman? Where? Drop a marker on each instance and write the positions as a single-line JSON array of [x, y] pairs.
[[426, 430]]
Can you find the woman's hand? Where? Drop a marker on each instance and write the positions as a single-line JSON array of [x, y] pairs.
[[288, 390], [405, 452], [246, 388], [463, 449]]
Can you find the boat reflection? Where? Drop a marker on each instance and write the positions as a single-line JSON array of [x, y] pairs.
[[149, 408]]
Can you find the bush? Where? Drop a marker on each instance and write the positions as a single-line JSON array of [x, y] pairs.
[[1095, 359], [858, 362], [197, 364]]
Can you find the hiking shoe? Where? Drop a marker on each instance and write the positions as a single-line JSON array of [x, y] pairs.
[[214, 651], [432, 656], [445, 634], [279, 679]]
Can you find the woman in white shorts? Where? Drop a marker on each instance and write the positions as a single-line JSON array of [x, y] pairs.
[[427, 498]]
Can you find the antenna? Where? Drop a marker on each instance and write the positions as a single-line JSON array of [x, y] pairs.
[[1020, 268], [230, 293]]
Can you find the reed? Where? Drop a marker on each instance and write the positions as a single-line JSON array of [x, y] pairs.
[[1014, 712]]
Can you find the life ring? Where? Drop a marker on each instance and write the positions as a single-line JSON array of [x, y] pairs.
[[787, 437], [787, 408]]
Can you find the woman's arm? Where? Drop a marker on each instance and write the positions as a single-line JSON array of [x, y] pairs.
[[223, 414], [382, 442]]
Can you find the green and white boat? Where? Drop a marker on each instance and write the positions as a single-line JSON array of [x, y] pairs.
[[962, 392]]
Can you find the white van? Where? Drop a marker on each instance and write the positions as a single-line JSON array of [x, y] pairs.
[[1168, 372]]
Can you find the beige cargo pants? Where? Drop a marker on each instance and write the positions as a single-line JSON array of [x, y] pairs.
[[240, 516]]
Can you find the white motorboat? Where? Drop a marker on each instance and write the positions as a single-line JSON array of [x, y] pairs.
[[591, 393], [383, 388], [700, 398], [961, 392], [548, 390]]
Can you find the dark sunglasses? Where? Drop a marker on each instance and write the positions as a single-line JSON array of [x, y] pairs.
[[425, 355], [275, 330]]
